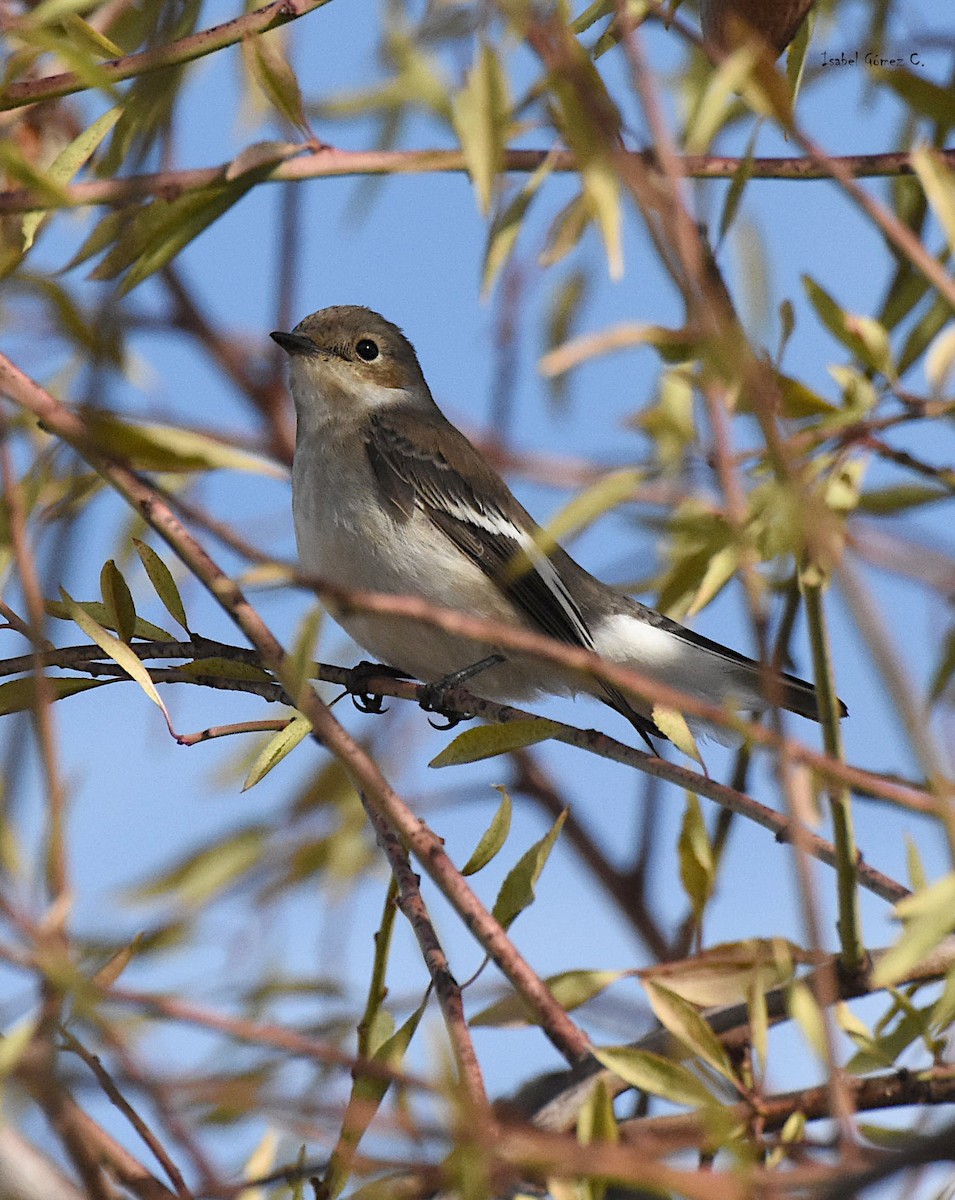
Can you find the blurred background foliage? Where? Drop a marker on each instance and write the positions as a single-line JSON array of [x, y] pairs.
[[741, 396]]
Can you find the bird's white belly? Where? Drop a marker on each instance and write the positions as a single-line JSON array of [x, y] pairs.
[[346, 537]]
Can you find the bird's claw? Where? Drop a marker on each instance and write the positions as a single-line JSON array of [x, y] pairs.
[[432, 699], [364, 700]]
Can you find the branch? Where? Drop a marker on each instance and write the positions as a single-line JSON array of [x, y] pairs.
[[659, 1135], [554, 1102], [331, 162], [187, 49], [445, 985], [464, 703]]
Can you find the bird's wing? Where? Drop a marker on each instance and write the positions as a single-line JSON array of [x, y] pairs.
[[472, 506], [469, 502]]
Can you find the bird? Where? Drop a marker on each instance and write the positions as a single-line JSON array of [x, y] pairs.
[[389, 496]]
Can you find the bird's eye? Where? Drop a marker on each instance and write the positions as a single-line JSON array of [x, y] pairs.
[[367, 349]]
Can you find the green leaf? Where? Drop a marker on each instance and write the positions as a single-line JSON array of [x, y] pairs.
[[741, 177], [758, 1022], [19, 695], [481, 115], [15, 1043], [198, 877], [117, 600], [506, 227], [517, 890], [489, 741], [796, 400], [609, 492], [264, 55], [929, 916], [689, 1028], [117, 963], [117, 650], [697, 860], [157, 232], [865, 337], [590, 120], [602, 194], [493, 837], [143, 629], [932, 100], [654, 1074], [797, 56], [366, 1096], [901, 497], [565, 231], [672, 724], [805, 1011], [718, 99], [596, 1123], [87, 37], [720, 570], [68, 162], [563, 310], [923, 333], [940, 360], [724, 974], [226, 668], [277, 747], [939, 185], [300, 664], [916, 869], [146, 447], [570, 989], [945, 669], [161, 578]]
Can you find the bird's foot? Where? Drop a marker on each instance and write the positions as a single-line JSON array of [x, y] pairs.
[[432, 697], [357, 685]]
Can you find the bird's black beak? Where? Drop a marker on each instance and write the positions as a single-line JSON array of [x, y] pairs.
[[294, 343]]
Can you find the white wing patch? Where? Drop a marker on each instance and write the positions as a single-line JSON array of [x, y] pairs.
[[495, 522]]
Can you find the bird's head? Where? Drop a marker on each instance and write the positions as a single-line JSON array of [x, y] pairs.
[[348, 359]]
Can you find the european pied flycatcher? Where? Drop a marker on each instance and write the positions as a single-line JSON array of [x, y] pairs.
[[389, 496]]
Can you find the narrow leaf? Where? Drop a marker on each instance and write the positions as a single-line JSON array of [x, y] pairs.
[[97, 610], [198, 877], [506, 227], [148, 447], [488, 741], [161, 578], [111, 970], [493, 837], [117, 600], [689, 1028], [929, 916], [517, 890], [68, 162], [480, 112], [269, 67], [19, 695], [654, 1074], [939, 184], [117, 650], [570, 989], [673, 724], [226, 668], [277, 747], [697, 860]]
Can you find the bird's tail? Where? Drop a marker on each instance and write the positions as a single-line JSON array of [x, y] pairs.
[[796, 695]]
